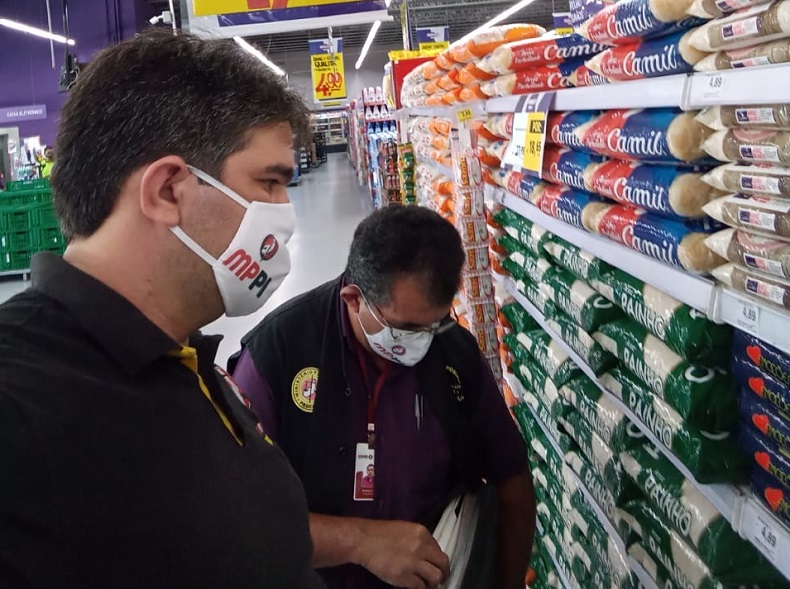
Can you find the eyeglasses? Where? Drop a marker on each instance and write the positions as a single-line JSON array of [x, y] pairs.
[[437, 328]]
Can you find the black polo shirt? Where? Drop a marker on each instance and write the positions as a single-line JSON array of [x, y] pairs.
[[120, 466]]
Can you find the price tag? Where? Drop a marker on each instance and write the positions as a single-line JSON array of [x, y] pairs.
[[713, 86], [765, 532], [748, 316], [534, 141], [465, 114]]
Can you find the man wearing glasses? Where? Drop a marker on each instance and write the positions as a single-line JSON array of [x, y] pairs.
[[371, 371]]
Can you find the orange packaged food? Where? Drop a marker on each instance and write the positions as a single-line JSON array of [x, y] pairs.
[[470, 74], [440, 126], [430, 70], [444, 61], [486, 41], [446, 82], [434, 100], [471, 93]]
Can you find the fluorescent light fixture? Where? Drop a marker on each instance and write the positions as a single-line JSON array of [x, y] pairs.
[[496, 20], [368, 42], [18, 26], [252, 51]]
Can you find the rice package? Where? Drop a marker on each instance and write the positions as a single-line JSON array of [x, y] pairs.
[[754, 379], [568, 167], [709, 9], [681, 504], [768, 288], [599, 411], [518, 318], [563, 203], [500, 125], [657, 572], [590, 477], [486, 41], [630, 20], [766, 418], [563, 128], [536, 269], [669, 191], [758, 24], [548, 49], [762, 214], [651, 58], [773, 494], [539, 79], [750, 146], [653, 135], [685, 330], [765, 254], [757, 55], [590, 351], [533, 293], [579, 301], [710, 457], [765, 116], [535, 379], [680, 244], [529, 234], [754, 179], [549, 355], [544, 414], [704, 396], [575, 260]]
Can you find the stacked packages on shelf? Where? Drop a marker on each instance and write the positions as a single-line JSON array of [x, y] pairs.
[[616, 345], [756, 140], [406, 166], [763, 373]]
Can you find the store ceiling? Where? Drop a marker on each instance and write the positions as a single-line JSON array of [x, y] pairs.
[[462, 16]]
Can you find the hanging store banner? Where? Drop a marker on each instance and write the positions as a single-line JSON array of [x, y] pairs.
[[562, 23], [433, 38], [230, 18], [326, 64], [30, 112]]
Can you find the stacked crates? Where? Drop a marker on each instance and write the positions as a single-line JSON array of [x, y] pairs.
[[27, 224]]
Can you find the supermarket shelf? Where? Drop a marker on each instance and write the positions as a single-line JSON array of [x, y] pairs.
[[644, 578], [688, 288], [435, 165], [742, 86], [23, 273], [479, 109], [738, 506], [770, 324], [727, 499]]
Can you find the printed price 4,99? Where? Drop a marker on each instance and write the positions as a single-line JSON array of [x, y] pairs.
[[329, 83]]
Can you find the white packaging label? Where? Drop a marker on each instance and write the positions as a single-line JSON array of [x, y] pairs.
[[755, 115], [743, 28], [732, 5], [757, 219], [760, 153], [766, 184], [764, 264], [770, 292]]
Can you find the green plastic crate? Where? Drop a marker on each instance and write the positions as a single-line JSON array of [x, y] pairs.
[[24, 197], [14, 241], [20, 218], [18, 260], [34, 184], [47, 218], [50, 239]]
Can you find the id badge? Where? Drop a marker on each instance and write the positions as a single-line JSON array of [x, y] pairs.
[[364, 473]]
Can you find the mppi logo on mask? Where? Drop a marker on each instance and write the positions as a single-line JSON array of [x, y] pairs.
[[245, 268]]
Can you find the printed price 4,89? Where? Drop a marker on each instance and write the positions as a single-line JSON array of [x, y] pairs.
[[748, 316]]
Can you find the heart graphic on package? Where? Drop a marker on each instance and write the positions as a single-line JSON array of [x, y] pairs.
[[763, 459], [754, 354], [774, 497], [757, 385], [762, 422]]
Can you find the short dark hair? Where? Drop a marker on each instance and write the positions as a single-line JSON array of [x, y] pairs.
[[156, 95], [399, 241]]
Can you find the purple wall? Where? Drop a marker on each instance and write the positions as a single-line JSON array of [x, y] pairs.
[[26, 74]]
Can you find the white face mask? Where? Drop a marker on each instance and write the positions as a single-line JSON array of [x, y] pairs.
[[256, 261], [397, 345]]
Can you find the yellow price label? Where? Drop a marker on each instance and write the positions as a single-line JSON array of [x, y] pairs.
[[564, 30], [465, 114], [534, 141]]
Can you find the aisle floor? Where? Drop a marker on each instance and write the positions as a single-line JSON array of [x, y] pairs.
[[329, 204]]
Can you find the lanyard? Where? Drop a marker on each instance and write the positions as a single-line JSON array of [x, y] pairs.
[[373, 398]]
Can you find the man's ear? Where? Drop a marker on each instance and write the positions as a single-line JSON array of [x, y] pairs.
[[352, 297], [162, 189]]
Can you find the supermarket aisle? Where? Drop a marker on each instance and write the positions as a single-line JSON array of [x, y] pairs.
[[329, 205]]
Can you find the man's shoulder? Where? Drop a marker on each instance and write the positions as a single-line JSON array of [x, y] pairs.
[[22, 314]]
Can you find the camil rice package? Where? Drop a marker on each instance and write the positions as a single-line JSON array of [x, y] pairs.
[[563, 128], [539, 79], [569, 168], [563, 203], [631, 20]]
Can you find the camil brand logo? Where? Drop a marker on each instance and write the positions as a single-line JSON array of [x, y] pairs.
[[246, 269]]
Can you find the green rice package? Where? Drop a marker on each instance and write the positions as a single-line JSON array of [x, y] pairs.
[[518, 317], [543, 413], [710, 457], [575, 260], [533, 294], [512, 245], [598, 410], [515, 270], [546, 485], [532, 236], [534, 378], [704, 396], [680, 502], [525, 421], [685, 330], [578, 300], [598, 359], [535, 268], [549, 355], [685, 566], [654, 569], [603, 459], [589, 477], [547, 454]]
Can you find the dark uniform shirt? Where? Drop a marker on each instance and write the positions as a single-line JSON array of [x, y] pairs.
[[125, 458]]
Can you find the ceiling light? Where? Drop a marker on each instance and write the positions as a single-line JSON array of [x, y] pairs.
[[496, 20], [252, 51], [34, 31], [368, 43]]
